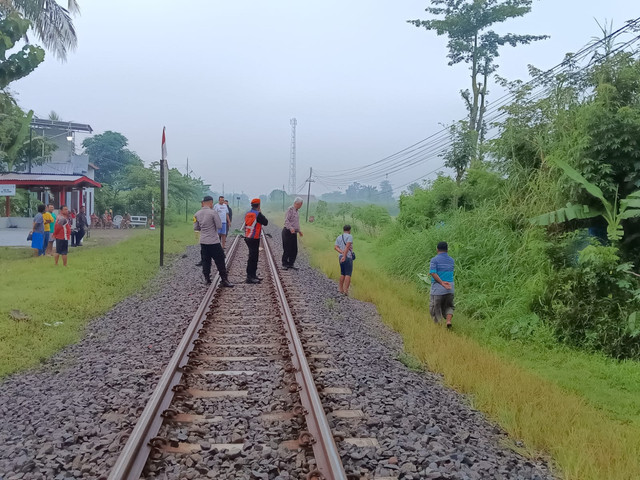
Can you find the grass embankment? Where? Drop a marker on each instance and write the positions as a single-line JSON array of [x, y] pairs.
[[96, 279], [580, 409]]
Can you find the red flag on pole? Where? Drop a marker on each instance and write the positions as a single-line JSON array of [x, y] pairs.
[[164, 145]]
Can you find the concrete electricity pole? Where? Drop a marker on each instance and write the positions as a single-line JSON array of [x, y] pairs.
[[292, 159]]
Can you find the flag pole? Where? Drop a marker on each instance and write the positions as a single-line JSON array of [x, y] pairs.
[[163, 193]]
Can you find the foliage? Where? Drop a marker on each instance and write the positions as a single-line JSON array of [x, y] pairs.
[[386, 192], [344, 209], [462, 150], [421, 209], [125, 268], [322, 209], [595, 305], [612, 212], [108, 151], [130, 187], [16, 146], [467, 23], [372, 217], [51, 22], [500, 272], [21, 63], [590, 424]]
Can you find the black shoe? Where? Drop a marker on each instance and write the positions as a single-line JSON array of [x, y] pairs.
[[207, 280], [226, 283], [285, 267], [449, 326], [199, 264], [293, 267], [252, 280]]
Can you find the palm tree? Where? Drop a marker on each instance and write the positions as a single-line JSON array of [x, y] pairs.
[[51, 21]]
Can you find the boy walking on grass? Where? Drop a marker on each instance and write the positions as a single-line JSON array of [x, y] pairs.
[[441, 297]]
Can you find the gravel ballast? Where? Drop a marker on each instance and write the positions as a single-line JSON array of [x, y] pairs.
[[424, 430], [70, 418]]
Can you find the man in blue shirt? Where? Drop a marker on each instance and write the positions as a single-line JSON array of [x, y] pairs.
[[441, 297]]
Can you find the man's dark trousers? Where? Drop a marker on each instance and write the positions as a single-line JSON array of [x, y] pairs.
[[289, 247], [216, 253], [252, 264], [79, 236]]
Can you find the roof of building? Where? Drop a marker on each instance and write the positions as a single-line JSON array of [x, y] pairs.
[[46, 179], [58, 125]]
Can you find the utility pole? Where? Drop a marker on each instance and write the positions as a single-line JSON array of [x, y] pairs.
[[310, 180], [186, 201], [292, 158], [283, 195]]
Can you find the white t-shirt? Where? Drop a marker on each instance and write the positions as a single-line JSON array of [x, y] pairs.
[[222, 211]]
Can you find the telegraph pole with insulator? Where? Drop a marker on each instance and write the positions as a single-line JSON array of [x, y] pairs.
[[292, 159]]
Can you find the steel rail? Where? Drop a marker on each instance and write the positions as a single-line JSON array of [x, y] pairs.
[[136, 451], [324, 447]]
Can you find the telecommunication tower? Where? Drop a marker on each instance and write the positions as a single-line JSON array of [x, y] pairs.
[[292, 159]]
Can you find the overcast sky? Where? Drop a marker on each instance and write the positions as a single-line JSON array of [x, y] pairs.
[[225, 77]]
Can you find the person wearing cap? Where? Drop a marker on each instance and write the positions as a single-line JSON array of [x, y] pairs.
[[253, 222], [208, 224], [290, 234]]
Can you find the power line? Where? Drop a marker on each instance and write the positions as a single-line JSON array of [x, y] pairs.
[[439, 141]]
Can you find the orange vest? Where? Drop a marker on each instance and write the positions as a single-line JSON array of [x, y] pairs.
[[252, 228]]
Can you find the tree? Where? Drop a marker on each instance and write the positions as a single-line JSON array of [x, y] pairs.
[[461, 151], [21, 63], [466, 23], [277, 195], [108, 151], [15, 145], [52, 22], [344, 209], [386, 192]]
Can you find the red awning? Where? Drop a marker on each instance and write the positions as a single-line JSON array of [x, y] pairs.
[[47, 180]]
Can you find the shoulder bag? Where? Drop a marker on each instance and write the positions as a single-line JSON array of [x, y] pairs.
[[353, 254]]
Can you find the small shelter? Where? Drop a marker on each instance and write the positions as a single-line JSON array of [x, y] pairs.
[[75, 191], [65, 178]]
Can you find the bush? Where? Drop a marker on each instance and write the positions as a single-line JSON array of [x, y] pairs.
[[372, 217], [593, 304], [500, 272]]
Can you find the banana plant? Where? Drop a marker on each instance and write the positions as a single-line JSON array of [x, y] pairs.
[[613, 212]]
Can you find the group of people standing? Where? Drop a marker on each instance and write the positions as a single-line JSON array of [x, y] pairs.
[[213, 223], [50, 227]]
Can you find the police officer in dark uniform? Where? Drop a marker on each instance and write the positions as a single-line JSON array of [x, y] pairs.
[[207, 222], [253, 222]]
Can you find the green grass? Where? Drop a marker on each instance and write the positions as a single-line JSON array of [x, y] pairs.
[[580, 409], [95, 280]]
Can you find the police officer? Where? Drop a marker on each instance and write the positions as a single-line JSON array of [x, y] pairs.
[[253, 222], [207, 222]]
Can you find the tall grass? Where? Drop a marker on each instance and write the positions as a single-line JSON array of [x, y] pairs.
[[500, 266], [67, 298], [583, 441]]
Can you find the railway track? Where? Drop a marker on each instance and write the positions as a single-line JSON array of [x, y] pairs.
[[238, 397]]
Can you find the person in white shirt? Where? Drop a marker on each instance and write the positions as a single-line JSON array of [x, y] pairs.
[[344, 246], [223, 212]]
